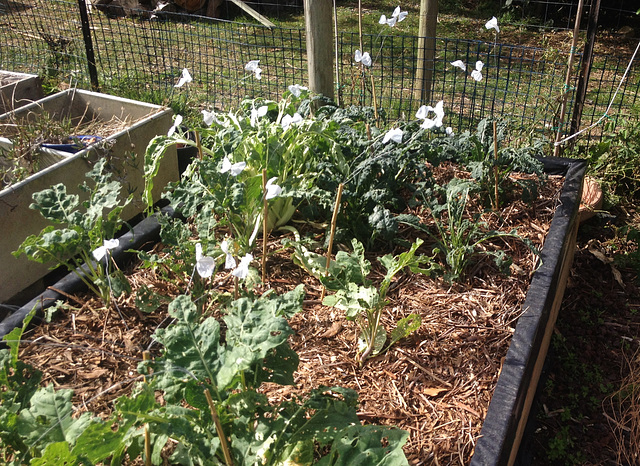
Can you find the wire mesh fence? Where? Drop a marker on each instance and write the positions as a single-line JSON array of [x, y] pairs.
[[142, 58]]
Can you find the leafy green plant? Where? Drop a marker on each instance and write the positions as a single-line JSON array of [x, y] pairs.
[[379, 177], [355, 294], [79, 229], [212, 411], [615, 160], [491, 163], [460, 237]]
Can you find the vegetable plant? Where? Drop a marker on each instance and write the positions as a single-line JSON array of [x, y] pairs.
[[490, 163], [212, 411], [359, 298], [81, 231], [460, 237]]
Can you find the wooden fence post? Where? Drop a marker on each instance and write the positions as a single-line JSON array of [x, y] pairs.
[[426, 49], [319, 29]]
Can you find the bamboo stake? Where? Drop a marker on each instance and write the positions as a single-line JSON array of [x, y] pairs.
[[265, 214], [565, 94], [146, 356], [495, 163], [198, 145], [334, 220], [223, 438], [147, 445]]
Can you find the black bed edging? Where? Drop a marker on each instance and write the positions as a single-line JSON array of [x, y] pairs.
[[506, 418], [147, 232]]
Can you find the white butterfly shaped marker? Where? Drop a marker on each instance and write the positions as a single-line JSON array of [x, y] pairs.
[[233, 168], [476, 74], [204, 264], [493, 24], [242, 271], [253, 67], [363, 58], [185, 78]]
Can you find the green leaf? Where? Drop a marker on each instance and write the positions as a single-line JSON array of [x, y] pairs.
[[192, 348], [98, 441], [48, 419], [367, 445], [56, 454], [364, 340], [404, 328], [56, 205]]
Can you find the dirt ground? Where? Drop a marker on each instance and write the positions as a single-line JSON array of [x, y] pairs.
[[596, 335]]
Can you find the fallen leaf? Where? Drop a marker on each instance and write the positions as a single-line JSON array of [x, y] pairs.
[[433, 391], [617, 275], [599, 255], [333, 330]]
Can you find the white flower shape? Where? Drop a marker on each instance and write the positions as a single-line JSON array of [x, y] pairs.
[[476, 74], [436, 121], [493, 24], [243, 268], [176, 124], [296, 89], [273, 190], [289, 120], [229, 261], [107, 244], [185, 78], [394, 135], [459, 64], [253, 67], [233, 168], [396, 17], [204, 264], [363, 58], [258, 113], [210, 118], [449, 131]]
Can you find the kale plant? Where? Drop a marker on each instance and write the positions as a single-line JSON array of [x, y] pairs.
[[81, 231]]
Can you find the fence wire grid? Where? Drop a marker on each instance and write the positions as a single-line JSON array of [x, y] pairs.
[[139, 57]]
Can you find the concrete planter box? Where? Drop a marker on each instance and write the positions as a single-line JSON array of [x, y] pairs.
[[126, 157], [18, 89]]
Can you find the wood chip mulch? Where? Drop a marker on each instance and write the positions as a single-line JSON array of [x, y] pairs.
[[436, 383]]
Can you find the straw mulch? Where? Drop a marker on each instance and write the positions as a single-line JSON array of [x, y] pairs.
[[436, 384]]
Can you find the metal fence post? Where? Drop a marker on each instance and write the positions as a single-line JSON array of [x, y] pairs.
[[88, 45]]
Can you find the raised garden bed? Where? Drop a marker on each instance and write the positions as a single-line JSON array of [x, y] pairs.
[[18, 89], [472, 364], [124, 148]]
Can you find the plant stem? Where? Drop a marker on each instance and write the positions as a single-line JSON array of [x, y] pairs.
[[334, 220], [265, 214], [223, 438]]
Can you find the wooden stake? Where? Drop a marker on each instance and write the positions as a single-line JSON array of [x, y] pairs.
[[265, 214], [198, 145], [147, 445], [334, 220], [223, 438], [146, 356], [495, 163]]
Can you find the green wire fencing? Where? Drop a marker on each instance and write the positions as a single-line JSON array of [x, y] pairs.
[[142, 55]]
